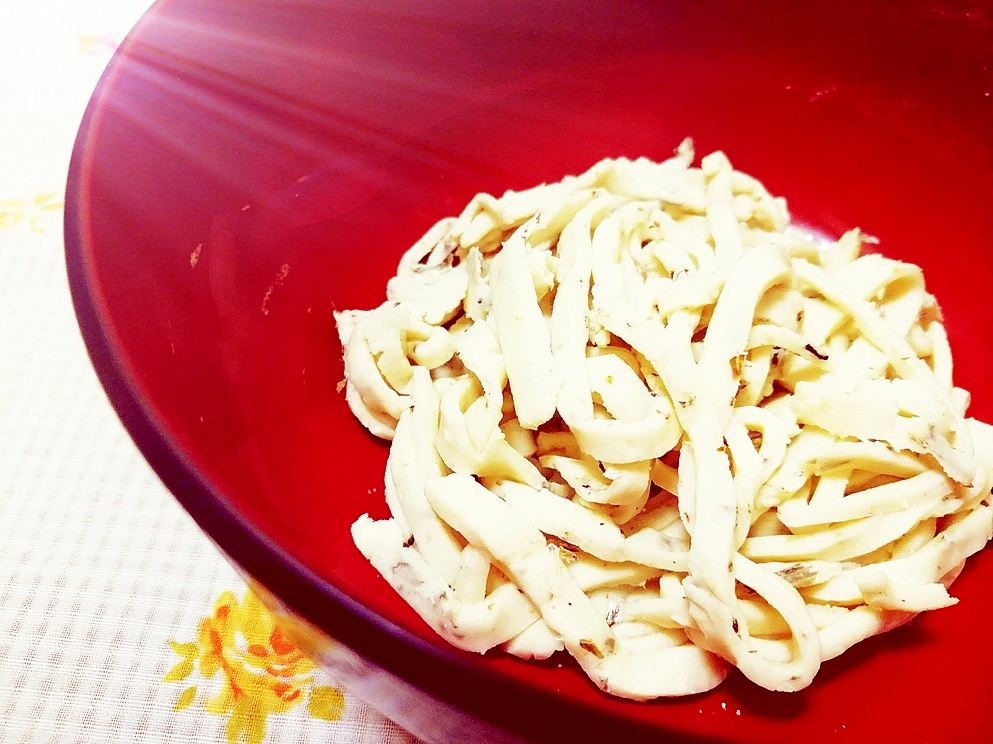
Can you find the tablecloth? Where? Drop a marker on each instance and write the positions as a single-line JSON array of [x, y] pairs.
[[119, 620]]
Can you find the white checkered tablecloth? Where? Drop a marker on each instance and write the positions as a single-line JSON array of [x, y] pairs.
[[109, 594]]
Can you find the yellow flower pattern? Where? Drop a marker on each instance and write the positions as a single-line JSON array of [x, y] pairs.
[[261, 672], [95, 44], [38, 213]]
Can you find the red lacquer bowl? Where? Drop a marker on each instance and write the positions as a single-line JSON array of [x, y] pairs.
[[247, 166]]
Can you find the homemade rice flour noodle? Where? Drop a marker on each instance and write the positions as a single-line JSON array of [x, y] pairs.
[[636, 416]]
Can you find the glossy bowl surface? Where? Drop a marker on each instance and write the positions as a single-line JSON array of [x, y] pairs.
[[247, 166]]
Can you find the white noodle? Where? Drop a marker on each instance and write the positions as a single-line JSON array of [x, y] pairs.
[[637, 416]]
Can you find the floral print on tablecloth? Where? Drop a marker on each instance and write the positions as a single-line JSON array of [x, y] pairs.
[[261, 673]]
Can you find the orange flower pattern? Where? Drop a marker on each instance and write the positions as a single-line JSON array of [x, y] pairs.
[[261, 672]]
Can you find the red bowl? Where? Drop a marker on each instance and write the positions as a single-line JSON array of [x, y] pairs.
[[248, 166]]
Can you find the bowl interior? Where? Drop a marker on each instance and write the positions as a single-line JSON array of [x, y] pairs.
[[248, 167]]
